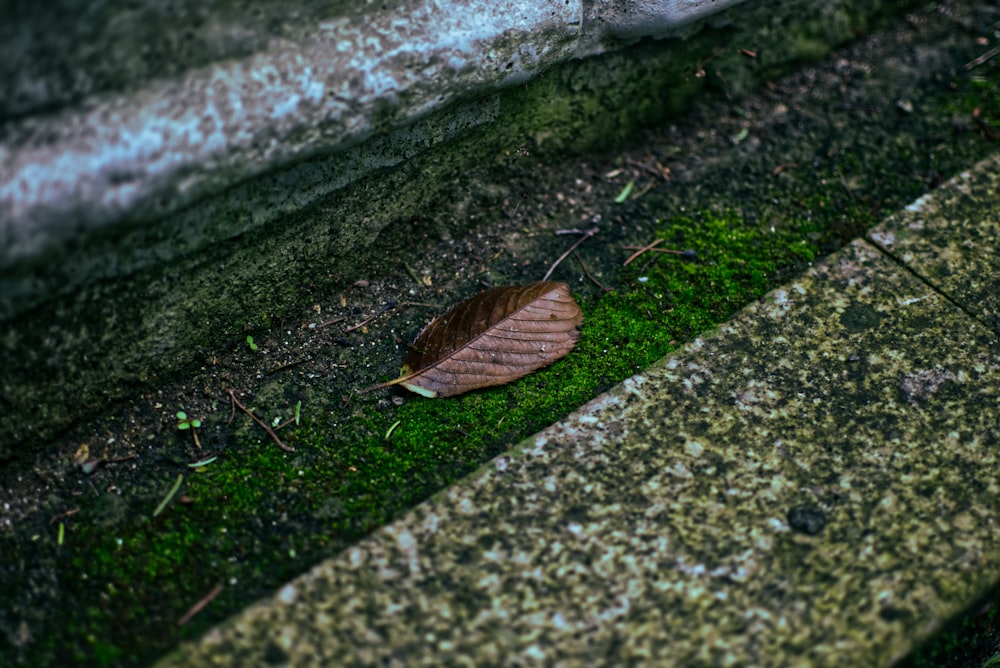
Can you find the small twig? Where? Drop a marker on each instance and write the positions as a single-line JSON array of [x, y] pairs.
[[642, 250], [60, 516], [284, 424], [333, 321], [844, 185], [586, 273], [197, 607], [516, 207], [584, 236], [363, 322], [263, 425], [976, 62], [653, 257], [424, 304], [688, 254], [659, 171], [91, 465], [367, 320], [649, 186], [295, 417], [283, 367], [782, 167]]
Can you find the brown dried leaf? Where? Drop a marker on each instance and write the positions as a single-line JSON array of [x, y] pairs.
[[492, 338]]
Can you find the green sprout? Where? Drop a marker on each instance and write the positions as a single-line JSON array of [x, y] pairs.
[[183, 422], [626, 191], [173, 490], [253, 346]]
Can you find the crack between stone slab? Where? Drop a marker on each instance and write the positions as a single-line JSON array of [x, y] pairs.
[[895, 259]]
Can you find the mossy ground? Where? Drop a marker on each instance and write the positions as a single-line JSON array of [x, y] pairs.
[[972, 639], [258, 515]]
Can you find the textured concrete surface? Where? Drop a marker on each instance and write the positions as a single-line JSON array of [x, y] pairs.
[[269, 92], [952, 241], [809, 485], [100, 168]]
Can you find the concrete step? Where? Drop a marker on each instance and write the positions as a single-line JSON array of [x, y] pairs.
[[811, 484], [143, 147]]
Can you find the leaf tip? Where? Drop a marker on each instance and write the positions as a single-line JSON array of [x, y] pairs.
[[422, 391]]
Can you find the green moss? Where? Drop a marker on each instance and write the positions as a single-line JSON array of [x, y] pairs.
[[665, 300], [350, 479], [970, 640], [979, 98], [259, 515]]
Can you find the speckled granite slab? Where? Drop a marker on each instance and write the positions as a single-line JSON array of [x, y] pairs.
[[952, 239], [812, 484]]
